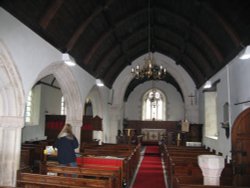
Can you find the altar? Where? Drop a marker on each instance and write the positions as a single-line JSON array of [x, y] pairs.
[[152, 135]]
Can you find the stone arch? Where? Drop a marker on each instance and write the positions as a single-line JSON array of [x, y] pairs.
[[96, 99], [69, 89], [181, 76], [11, 93], [185, 82], [12, 105]]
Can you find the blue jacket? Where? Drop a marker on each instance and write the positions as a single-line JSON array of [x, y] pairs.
[[66, 149]]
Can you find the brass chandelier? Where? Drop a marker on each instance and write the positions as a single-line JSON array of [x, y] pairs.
[[150, 69]]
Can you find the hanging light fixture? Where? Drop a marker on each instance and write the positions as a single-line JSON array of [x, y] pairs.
[[150, 69]]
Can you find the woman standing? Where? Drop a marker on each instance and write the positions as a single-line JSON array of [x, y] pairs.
[[66, 144]]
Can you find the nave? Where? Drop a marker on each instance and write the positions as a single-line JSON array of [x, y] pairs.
[[150, 170]]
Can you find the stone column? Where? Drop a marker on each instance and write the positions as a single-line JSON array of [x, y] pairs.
[[211, 167], [10, 147]]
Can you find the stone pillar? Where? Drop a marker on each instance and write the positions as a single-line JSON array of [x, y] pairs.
[[10, 146], [211, 167]]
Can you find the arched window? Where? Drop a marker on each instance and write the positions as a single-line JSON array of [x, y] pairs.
[[154, 105], [28, 108], [63, 107]]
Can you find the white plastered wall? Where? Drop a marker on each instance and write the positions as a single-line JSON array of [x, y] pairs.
[[233, 88], [25, 58]]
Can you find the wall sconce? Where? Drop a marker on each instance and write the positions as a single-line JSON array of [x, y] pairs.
[[68, 60], [99, 83], [246, 53], [207, 85]]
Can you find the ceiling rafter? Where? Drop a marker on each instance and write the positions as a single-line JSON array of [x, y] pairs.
[[210, 44], [229, 30], [162, 40], [103, 63], [104, 59], [103, 37], [109, 78], [82, 27], [50, 13], [199, 31], [119, 41], [183, 31], [115, 68], [112, 64], [72, 41]]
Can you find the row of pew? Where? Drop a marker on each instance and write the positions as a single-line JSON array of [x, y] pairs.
[[32, 153], [106, 166], [183, 171]]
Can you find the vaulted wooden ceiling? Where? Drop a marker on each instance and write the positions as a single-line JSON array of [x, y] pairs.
[[105, 36]]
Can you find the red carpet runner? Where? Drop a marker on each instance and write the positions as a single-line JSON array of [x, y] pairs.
[[150, 174]]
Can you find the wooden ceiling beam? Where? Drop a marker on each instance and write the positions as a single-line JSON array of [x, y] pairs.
[[96, 46], [50, 13], [229, 30], [210, 44], [110, 65], [104, 36], [104, 59], [82, 27]]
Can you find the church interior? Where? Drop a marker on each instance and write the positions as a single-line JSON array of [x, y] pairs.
[[157, 93]]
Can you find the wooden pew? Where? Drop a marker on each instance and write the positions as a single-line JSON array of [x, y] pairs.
[[102, 161], [105, 172], [117, 155], [27, 157], [38, 155], [28, 180], [197, 182], [129, 153], [32, 152], [182, 162]]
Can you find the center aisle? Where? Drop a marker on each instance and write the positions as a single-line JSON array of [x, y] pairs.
[[150, 173]]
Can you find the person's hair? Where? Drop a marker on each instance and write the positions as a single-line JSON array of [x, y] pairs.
[[66, 131]]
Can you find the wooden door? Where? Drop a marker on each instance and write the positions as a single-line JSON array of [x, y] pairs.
[[241, 149]]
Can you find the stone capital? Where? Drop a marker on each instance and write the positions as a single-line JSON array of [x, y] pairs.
[[11, 121]]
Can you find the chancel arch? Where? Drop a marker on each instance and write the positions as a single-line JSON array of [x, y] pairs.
[[185, 82]]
